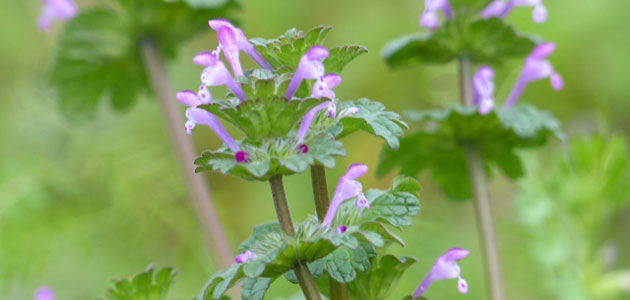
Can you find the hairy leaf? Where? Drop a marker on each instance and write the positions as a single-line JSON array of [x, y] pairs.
[[150, 285], [374, 119]]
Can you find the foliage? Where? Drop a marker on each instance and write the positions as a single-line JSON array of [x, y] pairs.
[[99, 54], [438, 146], [567, 202], [149, 285], [342, 256]]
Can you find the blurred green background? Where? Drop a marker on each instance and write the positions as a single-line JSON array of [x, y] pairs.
[[84, 202]]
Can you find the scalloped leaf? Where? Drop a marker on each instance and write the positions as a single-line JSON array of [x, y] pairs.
[[497, 135], [340, 57], [381, 280], [150, 285], [255, 288], [273, 158], [286, 50], [483, 41], [395, 206], [373, 119], [344, 264], [99, 56]]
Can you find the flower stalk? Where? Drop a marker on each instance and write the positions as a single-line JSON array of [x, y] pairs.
[[483, 206], [337, 291], [200, 194], [305, 279]]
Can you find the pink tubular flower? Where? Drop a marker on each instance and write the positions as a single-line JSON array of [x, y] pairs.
[[347, 188], [483, 85], [501, 9], [216, 74], [311, 66], [308, 120], [445, 267], [232, 40], [245, 257], [44, 293], [429, 17], [56, 10], [536, 67]]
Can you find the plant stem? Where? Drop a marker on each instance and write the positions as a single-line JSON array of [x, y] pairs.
[[337, 291], [483, 206], [304, 277], [200, 194]]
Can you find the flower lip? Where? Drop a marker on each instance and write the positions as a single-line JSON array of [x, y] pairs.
[[206, 59], [543, 50], [188, 98], [217, 24], [317, 53]]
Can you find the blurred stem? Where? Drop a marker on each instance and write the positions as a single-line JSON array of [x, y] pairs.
[[304, 277], [199, 192], [483, 206], [337, 291]]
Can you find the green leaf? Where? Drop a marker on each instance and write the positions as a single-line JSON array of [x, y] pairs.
[[496, 135], [372, 118], [275, 157], [339, 57], [381, 280], [99, 55], [316, 268], [148, 285], [255, 288], [483, 41], [286, 50], [220, 282], [395, 206], [344, 264]]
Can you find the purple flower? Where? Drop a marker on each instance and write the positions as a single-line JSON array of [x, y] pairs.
[[44, 293], [341, 229], [483, 85], [232, 40], [536, 67], [347, 188], [445, 267], [245, 256], [311, 66], [324, 85], [56, 10], [216, 74], [429, 17], [501, 9], [199, 116], [308, 120]]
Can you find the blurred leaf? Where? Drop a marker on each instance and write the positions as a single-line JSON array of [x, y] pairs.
[[439, 148], [381, 280], [99, 56], [483, 41], [469, 6], [146, 285], [373, 119]]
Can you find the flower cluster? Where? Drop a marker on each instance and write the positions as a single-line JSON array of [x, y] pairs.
[[232, 41], [52, 10], [536, 67]]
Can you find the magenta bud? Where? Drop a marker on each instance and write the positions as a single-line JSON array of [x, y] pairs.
[[303, 148], [341, 229], [241, 157]]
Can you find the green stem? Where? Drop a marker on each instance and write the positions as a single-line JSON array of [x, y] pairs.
[[483, 205], [337, 291], [199, 192], [304, 277]]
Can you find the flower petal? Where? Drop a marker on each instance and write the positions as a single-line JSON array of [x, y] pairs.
[[188, 98]]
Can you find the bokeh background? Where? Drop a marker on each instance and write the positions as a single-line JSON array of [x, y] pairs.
[[84, 202]]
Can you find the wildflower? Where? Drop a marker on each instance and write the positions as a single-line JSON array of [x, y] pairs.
[[199, 116], [311, 66], [362, 202], [429, 17], [308, 120], [536, 67], [232, 40], [216, 74], [56, 10], [44, 293], [347, 188], [501, 9], [445, 267], [324, 85], [245, 256], [483, 85]]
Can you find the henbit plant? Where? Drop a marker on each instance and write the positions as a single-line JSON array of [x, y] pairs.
[[292, 121], [119, 52], [461, 143]]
